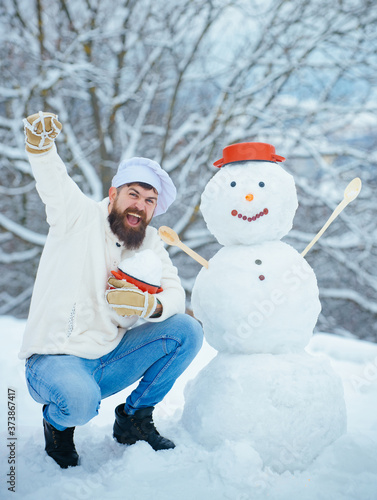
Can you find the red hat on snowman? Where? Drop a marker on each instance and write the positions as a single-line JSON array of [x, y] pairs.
[[244, 151]]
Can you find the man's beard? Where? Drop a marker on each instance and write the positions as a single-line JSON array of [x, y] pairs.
[[132, 237]]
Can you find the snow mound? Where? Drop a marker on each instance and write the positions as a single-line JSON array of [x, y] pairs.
[[144, 266]]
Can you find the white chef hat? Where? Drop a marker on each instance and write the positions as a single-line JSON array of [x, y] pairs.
[[144, 170]]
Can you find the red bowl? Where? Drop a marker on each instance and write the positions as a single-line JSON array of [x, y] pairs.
[[142, 285]]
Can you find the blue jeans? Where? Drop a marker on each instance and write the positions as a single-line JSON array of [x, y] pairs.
[[72, 388]]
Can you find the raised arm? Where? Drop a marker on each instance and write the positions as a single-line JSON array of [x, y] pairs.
[[65, 202]]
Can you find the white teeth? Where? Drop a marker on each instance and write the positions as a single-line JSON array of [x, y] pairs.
[[135, 215]]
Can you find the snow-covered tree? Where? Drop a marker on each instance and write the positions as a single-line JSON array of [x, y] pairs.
[[179, 80]]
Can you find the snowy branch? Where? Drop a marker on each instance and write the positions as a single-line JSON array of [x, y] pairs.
[[22, 232], [352, 295]]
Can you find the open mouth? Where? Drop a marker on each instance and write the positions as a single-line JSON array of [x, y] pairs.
[[235, 213], [133, 219]]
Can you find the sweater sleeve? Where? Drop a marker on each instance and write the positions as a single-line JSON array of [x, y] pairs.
[[172, 297], [65, 202]]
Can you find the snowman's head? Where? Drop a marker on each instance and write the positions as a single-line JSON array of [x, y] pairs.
[[249, 201]]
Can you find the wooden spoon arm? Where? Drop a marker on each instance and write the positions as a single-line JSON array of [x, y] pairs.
[[170, 237], [192, 254], [333, 216]]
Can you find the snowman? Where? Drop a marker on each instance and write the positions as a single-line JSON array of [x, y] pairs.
[[258, 303]]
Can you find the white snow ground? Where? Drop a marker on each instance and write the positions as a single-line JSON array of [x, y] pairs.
[[345, 470]]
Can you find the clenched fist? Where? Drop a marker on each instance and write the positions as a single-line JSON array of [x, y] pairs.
[[127, 300], [41, 130]]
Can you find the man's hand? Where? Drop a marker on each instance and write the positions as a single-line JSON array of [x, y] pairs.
[[41, 130], [127, 300]]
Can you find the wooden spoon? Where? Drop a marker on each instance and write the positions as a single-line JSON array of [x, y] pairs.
[[170, 237], [350, 193]]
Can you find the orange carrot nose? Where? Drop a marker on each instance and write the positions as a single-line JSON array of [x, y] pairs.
[[249, 197]]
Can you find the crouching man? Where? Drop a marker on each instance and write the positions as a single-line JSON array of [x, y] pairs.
[[81, 341]]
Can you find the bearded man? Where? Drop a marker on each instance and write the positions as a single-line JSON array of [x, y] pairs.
[[80, 346]]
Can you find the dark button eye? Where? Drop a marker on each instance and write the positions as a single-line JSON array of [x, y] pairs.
[[233, 183], [261, 184]]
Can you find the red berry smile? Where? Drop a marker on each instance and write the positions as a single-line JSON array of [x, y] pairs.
[[249, 219]]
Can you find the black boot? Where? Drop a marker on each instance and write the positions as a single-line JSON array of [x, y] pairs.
[[138, 427], [60, 445]]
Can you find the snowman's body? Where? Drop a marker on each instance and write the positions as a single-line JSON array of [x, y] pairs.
[[258, 303], [257, 299]]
